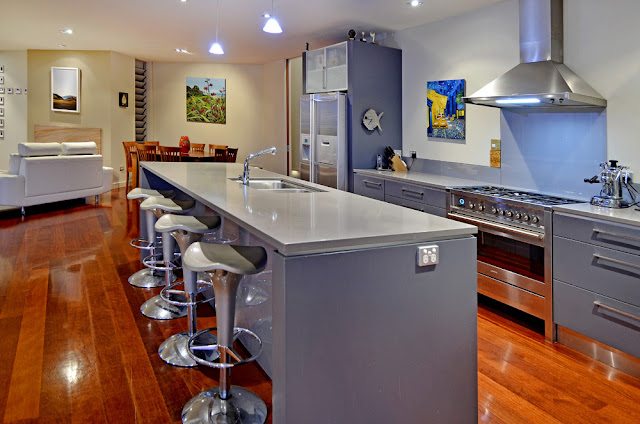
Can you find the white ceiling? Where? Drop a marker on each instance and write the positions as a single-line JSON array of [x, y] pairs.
[[152, 29]]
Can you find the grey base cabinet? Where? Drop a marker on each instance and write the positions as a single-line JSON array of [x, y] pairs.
[[596, 288]]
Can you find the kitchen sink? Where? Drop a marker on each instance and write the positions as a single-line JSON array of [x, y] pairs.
[[281, 186]]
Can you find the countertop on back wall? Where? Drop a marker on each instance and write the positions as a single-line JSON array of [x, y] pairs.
[[628, 216], [430, 180]]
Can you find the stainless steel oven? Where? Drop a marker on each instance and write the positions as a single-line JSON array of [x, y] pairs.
[[514, 246]]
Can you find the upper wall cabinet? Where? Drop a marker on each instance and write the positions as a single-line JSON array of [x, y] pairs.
[[326, 69]]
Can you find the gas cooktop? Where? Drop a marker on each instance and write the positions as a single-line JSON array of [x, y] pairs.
[[521, 196]]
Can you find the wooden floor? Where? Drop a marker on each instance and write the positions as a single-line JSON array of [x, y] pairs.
[[76, 349]]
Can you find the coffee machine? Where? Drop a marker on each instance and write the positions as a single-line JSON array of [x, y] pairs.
[[613, 178]]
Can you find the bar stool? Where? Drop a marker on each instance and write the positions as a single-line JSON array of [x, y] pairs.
[[186, 230], [155, 208], [225, 403], [147, 277]]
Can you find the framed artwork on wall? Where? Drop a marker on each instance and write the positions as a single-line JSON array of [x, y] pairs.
[[207, 100], [123, 99], [65, 90], [446, 110], [1, 90]]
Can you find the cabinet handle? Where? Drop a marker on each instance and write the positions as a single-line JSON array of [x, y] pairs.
[[617, 311], [417, 193], [615, 261], [324, 77], [367, 182], [607, 233]]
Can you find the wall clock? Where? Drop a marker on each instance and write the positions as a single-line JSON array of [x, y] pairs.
[[371, 120]]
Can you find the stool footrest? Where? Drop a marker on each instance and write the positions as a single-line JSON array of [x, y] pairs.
[[152, 262], [141, 243], [194, 346], [201, 287]]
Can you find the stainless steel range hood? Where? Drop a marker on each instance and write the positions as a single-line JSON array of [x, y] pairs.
[[541, 80]]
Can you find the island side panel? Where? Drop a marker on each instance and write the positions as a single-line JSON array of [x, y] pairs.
[[368, 336]]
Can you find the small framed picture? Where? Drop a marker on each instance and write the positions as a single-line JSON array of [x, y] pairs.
[[25, 90], [1, 69], [1, 100], [1, 79], [1, 90], [1, 111], [18, 91], [1, 122], [1, 133], [9, 90], [123, 99]]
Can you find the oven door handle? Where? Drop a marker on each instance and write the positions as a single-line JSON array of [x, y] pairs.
[[487, 227]]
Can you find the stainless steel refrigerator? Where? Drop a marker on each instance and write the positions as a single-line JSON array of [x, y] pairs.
[[323, 141]]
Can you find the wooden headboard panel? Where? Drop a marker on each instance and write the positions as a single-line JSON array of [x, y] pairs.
[[58, 134]]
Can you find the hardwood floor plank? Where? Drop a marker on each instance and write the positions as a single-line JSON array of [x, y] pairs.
[[10, 331], [23, 400]]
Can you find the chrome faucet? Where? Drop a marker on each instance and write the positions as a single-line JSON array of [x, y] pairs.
[[245, 174]]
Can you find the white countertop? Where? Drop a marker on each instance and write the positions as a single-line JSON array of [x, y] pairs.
[[431, 180], [301, 223], [629, 216]]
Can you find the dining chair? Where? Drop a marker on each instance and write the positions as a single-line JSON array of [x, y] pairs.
[[145, 153], [232, 154], [130, 157], [152, 143], [213, 147], [220, 155], [197, 147], [170, 154]]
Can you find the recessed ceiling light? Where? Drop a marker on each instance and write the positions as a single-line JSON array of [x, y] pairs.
[[66, 31], [266, 15], [183, 1], [415, 3], [62, 45], [183, 51]]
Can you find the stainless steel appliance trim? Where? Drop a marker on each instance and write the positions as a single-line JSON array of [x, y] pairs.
[[508, 294], [608, 233], [502, 230], [513, 278], [367, 182], [599, 304], [599, 351], [418, 193], [617, 261]]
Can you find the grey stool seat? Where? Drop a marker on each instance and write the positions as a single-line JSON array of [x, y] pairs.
[[147, 277], [145, 193], [223, 404], [186, 230], [154, 208]]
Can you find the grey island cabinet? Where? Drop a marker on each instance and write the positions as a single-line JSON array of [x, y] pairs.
[[596, 286], [354, 330]]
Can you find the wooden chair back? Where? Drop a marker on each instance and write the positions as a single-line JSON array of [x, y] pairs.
[[220, 155], [213, 147], [130, 155], [197, 147], [152, 143], [146, 153], [170, 154], [232, 154]]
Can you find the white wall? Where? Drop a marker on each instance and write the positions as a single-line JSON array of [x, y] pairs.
[[15, 105], [244, 127], [274, 118], [122, 118], [477, 46], [600, 40]]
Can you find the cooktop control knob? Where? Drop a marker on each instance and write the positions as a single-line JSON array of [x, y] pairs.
[[472, 205], [518, 215], [501, 211], [509, 214], [494, 210], [480, 207], [535, 219], [525, 217]]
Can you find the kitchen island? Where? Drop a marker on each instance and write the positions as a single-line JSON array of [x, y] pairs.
[[357, 331]]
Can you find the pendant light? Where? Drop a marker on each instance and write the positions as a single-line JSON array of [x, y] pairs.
[[272, 26], [216, 48]]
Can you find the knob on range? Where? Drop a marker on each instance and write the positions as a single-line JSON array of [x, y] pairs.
[[525, 217], [501, 211], [518, 215], [494, 210], [535, 219], [509, 214]]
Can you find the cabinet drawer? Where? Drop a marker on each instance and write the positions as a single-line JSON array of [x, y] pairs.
[[417, 193], [605, 271], [368, 186], [405, 202], [602, 233], [614, 323]]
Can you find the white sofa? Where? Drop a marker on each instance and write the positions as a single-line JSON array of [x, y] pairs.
[[50, 172]]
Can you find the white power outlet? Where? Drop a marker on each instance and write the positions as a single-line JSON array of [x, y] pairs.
[[428, 255]]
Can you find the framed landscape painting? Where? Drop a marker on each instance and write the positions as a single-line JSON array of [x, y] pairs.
[[207, 100], [65, 90], [446, 110]]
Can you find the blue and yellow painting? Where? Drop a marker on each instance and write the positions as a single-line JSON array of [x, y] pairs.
[[446, 110]]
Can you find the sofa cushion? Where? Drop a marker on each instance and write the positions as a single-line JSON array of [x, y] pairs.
[[39, 149], [14, 163], [80, 148], [60, 174]]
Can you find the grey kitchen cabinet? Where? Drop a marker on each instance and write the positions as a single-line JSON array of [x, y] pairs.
[[596, 271], [414, 196], [326, 69]]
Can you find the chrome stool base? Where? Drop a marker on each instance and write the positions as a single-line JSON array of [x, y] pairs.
[[157, 308], [242, 406], [146, 278], [174, 350]]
